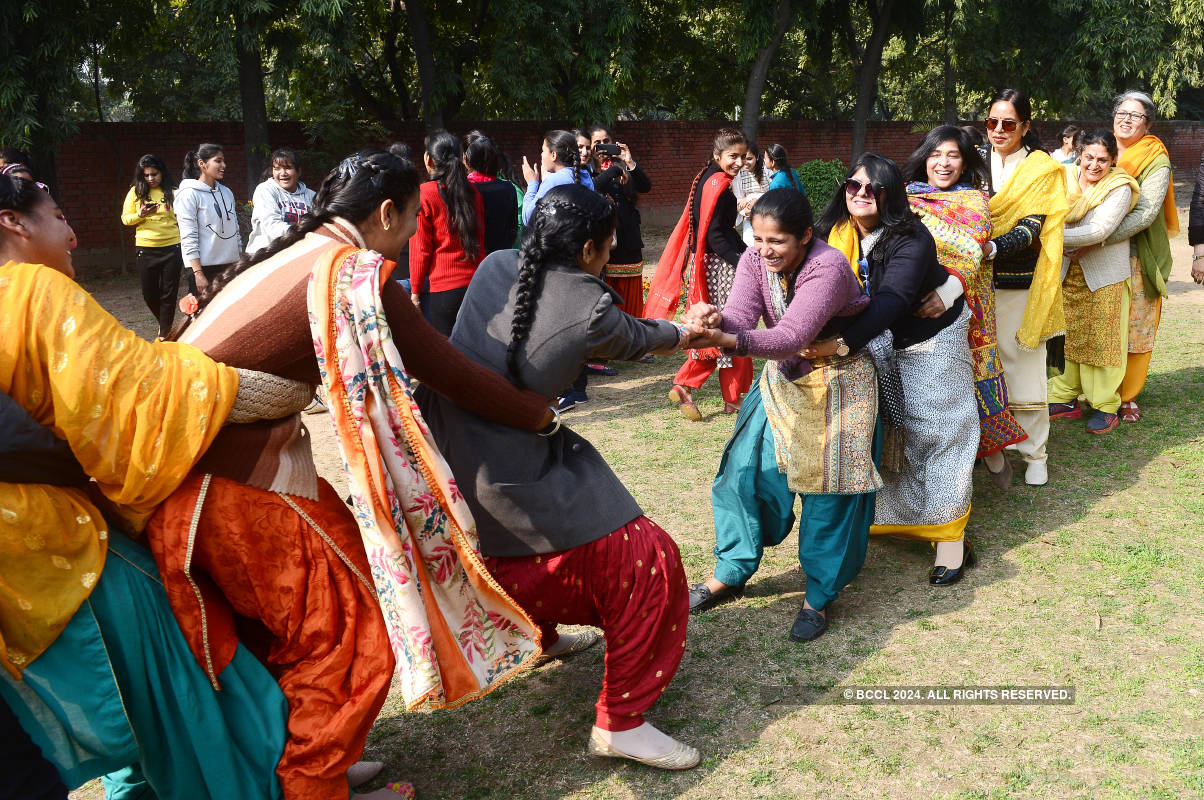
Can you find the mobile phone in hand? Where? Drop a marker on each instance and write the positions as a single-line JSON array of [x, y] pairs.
[[607, 149]]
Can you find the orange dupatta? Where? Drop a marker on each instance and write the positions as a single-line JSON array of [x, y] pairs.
[[1136, 159], [665, 292], [455, 632]]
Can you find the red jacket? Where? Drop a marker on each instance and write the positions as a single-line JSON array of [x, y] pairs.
[[437, 256]]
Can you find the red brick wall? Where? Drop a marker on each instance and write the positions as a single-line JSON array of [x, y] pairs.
[[96, 166]]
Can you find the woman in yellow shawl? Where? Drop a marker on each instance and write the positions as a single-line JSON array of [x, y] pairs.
[[95, 668], [1095, 286], [1028, 205], [1148, 229]]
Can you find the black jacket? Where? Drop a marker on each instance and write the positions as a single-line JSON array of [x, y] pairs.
[[1195, 217], [501, 214], [629, 246], [722, 239], [903, 269]]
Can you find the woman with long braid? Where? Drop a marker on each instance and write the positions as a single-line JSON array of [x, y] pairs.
[[253, 531], [557, 528], [559, 164], [450, 240]]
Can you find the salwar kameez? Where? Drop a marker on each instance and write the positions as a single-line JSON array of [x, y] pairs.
[[631, 585], [754, 508], [1095, 368]]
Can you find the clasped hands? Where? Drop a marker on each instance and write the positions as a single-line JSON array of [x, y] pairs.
[[702, 323]]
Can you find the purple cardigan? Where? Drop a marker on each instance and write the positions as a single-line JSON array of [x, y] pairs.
[[824, 287]]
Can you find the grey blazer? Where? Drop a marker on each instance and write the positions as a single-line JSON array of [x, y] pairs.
[[534, 494]]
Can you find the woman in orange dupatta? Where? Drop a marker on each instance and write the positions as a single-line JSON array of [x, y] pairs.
[[255, 533], [1149, 228], [706, 243]]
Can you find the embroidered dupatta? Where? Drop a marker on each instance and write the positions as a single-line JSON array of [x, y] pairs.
[[959, 220], [1153, 245], [455, 632]]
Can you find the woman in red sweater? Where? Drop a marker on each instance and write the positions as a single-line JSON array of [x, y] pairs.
[[450, 241]]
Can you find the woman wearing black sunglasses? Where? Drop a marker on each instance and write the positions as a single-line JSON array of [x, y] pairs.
[[1028, 206], [928, 480]]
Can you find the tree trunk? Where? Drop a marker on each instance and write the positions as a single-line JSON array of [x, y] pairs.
[[755, 87], [867, 73], [396, 71], [254, 103], [432, 114], [950, 115]]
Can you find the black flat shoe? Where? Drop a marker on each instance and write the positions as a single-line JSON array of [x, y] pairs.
[[702, 598], [808, 625], [946, 576]]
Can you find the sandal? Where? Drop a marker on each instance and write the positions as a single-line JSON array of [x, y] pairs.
[[1129, 412], [685, 404]]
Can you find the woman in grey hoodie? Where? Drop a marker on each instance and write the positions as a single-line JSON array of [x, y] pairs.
[[208, 218], [279, 202]]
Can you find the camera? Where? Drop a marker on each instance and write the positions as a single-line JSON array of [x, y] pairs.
[[607, 149]]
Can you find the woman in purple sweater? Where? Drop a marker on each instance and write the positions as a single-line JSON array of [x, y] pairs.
[[806, 428]]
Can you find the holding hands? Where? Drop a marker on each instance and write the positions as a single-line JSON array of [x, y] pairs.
[[701, 328]]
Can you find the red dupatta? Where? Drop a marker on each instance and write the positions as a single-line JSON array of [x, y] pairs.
[[665, 292]]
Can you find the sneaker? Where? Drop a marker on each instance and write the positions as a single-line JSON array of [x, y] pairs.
[[1065, 410], [570, 400], [1036, 474], [647, 358], [601, 369], [1102, 422]]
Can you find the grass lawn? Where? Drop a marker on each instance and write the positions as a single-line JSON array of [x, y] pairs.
[[1094, 581]]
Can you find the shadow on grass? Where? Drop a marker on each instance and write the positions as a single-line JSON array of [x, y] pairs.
[[741, 675]]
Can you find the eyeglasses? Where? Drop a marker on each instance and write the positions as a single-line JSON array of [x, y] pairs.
[[853, 187], [1008, 125], [1133, 115]]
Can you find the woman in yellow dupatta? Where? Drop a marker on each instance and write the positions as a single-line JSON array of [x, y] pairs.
[[1028, 206], [1095, 286], [1148, 229], [95, 668]]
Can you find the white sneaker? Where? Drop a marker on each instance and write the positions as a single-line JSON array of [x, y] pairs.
[[1036, 474]]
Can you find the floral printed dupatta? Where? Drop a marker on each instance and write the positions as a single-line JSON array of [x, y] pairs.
[[456, 634], [959, 219]]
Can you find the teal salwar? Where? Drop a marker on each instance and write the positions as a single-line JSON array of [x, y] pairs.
[[754, 508], [120, 695]]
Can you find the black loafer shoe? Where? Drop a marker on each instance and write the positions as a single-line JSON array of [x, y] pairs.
[[945, 576], [702, 598], [808, 625]]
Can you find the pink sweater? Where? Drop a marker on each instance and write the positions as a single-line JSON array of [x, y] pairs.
[[825, 291]]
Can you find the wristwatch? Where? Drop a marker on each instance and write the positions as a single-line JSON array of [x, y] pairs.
[[842, 347]]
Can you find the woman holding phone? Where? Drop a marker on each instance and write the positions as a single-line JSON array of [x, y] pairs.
[[148, 210]]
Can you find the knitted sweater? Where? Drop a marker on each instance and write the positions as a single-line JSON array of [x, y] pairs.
[[438, 261]]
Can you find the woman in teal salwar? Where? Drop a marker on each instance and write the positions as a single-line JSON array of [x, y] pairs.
[[806, 428]]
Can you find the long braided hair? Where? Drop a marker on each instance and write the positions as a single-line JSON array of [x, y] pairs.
[[353, 190], [564, 145], [451, 175], [565, 219]]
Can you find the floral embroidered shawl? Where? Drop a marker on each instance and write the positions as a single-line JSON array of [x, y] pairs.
[[456, 634]]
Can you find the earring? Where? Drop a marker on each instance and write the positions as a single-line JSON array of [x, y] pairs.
[[385, 226]]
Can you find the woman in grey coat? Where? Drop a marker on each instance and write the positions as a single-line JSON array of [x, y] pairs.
[[557, 528]]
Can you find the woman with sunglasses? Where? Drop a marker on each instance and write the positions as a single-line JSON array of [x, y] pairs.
[[209, 236], [1149, 228], [927, 480], [706, 243], [1028, 206]]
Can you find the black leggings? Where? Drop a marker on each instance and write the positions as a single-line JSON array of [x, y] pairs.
[[441, 308], [159, 270], [210, 272]]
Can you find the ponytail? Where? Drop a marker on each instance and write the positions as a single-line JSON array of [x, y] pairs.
[[457, 193], [203, 152], [564, 145]]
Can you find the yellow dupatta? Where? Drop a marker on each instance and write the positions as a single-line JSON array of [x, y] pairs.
[[844, 237], [137, 415], [455, 632], [1081, 202], [1038, 186], [1137, 158]]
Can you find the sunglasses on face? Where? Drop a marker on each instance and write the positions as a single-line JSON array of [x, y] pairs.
[[1008, 125], [853, 187]]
